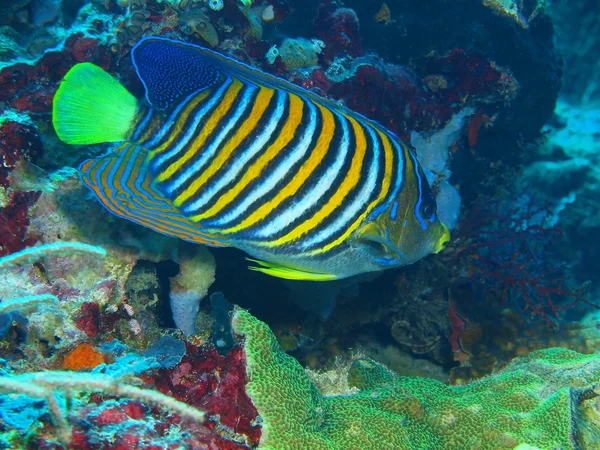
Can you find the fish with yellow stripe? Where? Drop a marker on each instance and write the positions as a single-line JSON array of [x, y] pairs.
[[222, 154]]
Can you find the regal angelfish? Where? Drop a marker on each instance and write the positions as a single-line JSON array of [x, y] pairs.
[[222, 154]]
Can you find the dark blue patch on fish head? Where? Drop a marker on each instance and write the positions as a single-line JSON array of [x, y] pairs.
[[171, 70]]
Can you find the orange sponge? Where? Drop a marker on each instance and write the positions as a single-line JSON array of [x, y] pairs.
[[84, 356]]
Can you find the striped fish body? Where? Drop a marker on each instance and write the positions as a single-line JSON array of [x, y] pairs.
[[225, 155]]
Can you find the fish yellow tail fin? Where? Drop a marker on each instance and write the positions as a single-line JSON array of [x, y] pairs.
[[90, 107]]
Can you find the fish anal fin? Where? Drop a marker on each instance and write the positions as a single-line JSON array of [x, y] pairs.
[[121, 181]]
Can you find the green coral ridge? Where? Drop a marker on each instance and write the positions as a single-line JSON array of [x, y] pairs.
[[530, 404]]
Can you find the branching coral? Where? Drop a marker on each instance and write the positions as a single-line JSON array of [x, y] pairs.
[[45, 385], [55, 249], [510, 250], [29, 256], [24, 304], [530, 403]]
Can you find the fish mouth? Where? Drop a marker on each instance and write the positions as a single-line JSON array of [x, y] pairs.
[[441, 243]]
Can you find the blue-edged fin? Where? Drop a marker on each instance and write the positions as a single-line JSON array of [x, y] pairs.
[[90, 107], [288, 273], [171, 70], [121, 181]]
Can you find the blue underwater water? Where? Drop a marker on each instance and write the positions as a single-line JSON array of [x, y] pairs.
[[402, 194]]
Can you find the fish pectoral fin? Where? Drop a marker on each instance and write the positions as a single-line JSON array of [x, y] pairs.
[[379, 246], [288, 273], [371, 235], [369, 231]]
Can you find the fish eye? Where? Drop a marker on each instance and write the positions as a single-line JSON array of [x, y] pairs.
[[428, 209]]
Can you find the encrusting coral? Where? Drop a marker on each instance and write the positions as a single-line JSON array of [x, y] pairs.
[[532, 402], [546, 400]]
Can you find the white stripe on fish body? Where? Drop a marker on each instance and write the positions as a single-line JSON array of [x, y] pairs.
[[399, 151], [210, 152], [236, 168], [192, 130], [279, 173], [313, 195], [354, 207], [142, 125]]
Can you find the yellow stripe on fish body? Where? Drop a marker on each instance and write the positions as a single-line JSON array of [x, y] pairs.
[[179, 124], [212, 123], [227, 155], [299, 179], [385, 189], [257, 169], [258, 108], [349, 182]]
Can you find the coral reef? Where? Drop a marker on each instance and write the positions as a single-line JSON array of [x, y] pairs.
[[414, 34], [84, 356], [129, 321], [509, 248], [76, 345], [43, 385], [484, 342], [189, 287], [531, 402], [299, 53]]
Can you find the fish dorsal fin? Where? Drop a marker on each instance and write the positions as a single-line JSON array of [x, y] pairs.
[[171, 70], [122, 183]]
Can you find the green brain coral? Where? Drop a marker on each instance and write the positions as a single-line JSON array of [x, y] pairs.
[[530, 404]]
